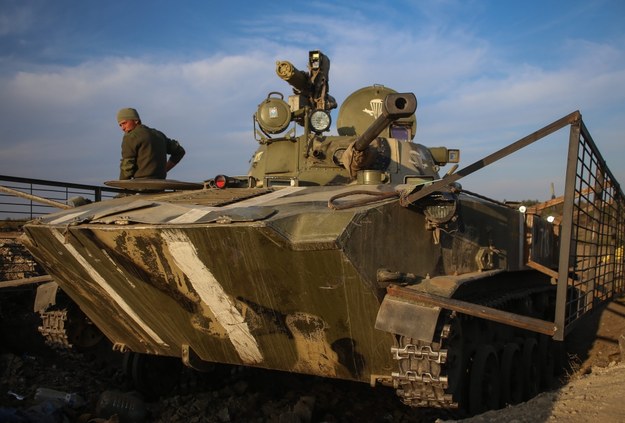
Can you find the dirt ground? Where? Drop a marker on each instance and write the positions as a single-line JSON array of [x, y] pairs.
[[595, 392]]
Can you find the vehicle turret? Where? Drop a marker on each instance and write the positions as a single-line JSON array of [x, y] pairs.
[[375, 126]]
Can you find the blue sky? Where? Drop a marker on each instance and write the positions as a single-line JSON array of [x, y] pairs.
[[485, 74]]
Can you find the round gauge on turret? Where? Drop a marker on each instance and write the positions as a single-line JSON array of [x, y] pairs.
[[320, 121]]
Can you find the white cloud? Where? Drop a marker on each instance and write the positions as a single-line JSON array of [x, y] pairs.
[[69, 113]]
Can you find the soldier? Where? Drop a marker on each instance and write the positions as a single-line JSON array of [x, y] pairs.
[[144, 149]]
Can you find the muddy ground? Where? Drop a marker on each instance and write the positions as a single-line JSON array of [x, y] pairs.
[[230, 394]]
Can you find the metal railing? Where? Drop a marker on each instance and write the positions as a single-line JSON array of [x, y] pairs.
[[15, 207], [23, 199], [591, 264]]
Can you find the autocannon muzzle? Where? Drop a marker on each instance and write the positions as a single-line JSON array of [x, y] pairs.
[[394, 106]]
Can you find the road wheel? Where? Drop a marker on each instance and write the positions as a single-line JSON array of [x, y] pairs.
[[531, 369], [548, 362], [511, 374], [484, 392]]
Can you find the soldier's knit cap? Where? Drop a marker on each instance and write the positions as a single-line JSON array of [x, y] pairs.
[[127, 114]]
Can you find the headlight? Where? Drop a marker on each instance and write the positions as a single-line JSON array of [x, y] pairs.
[[442, 211], [273, 115], [320, 121]]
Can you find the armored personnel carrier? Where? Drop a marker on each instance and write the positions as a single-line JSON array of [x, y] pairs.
[[348, 256]]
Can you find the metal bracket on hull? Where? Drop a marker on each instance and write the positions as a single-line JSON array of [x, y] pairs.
[[192, 360], [471, 309]]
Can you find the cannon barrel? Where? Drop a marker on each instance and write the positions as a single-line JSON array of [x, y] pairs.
[[395, 106], [296, 78]]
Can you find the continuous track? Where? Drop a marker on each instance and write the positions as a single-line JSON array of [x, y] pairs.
[[473, 364]]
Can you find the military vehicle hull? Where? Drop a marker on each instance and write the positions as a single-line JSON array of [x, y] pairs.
[[285, 283]]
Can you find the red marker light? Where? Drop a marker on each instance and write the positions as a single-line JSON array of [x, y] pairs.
[[221, 181]]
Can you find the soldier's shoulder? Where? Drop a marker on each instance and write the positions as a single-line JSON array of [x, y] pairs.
[[139, 132], [142, 129]]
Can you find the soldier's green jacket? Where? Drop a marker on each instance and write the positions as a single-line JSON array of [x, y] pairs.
[[144, 153]]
